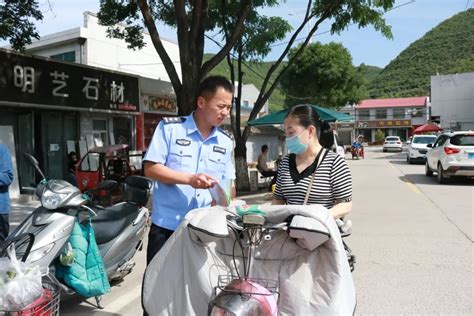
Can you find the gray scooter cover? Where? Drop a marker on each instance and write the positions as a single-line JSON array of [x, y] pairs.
[[308, 261]]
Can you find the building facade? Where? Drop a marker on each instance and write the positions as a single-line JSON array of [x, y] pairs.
[[394, 117], [452, 101], [89, 45], [49, 104]]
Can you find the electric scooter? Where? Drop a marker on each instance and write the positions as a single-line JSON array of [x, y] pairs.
[[119, 229]]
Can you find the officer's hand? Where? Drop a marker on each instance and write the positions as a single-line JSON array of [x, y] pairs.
[[202, 181]]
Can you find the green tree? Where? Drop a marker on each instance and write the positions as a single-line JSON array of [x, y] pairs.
[[17, 22], [192, 19], [323, 75], [379, 135], [258, 35]]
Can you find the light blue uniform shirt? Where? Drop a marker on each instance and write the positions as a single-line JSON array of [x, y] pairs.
[[178, 144]]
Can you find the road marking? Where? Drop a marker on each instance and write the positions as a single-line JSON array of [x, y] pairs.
[[120, 302], [407, 181], [411, 186]]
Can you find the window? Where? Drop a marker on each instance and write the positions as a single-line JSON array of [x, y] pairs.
[[68, 56], [99, 131], [441, 140], [90, 163], [398, 113], [417, 112], [424, 139], [463, 140], [364, 115], [381, 113], [246, 104]]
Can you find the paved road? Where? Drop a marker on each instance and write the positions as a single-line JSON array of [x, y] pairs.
[[412, 237]]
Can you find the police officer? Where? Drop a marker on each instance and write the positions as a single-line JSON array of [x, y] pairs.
[[186, 157]]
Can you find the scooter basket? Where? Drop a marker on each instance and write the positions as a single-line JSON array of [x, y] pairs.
[[46, 305], [224, 281]]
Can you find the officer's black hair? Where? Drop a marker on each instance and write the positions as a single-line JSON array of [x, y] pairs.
[[264, 147], [306, 116], [209, 85]]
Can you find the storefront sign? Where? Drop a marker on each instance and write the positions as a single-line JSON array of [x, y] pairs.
[[34, 80], [159, 105], [383, 124]]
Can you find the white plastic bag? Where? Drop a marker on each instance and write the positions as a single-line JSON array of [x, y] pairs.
[[20, 284]]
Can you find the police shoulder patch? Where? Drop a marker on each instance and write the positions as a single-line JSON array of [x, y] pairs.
[[174, 119], [226, 133]]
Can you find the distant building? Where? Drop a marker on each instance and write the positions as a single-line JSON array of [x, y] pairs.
[[268, 135], [452, 101], [395, 117], [345, 130]]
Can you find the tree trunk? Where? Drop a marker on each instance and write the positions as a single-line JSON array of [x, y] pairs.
[[241, 169]]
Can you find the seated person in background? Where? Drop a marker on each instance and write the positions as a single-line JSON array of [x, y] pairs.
[[72, 161], [262, 166]]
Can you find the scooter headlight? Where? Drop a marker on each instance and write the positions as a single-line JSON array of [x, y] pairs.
[[52, 200], [39, 253]]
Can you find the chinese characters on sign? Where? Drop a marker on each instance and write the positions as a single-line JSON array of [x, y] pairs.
[[385, 123], [41, 81], [159, 105]]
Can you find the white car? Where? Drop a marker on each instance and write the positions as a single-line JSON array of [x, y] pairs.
[[418, 147], [392, 143], [451, 155]]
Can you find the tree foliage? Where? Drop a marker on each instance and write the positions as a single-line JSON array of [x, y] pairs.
[[193, 19], [447, 48], [323, 75], [17, 22]]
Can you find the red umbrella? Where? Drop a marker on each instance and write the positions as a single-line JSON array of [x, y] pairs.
[[426, 128]]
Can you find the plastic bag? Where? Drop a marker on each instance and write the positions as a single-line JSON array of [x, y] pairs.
[[20, 284]]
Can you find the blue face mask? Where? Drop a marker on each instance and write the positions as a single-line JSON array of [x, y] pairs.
[[295, 146]]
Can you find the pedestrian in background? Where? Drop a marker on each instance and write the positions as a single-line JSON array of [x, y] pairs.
[[6, 178], [262, 165], [71, 172], [186, 157]]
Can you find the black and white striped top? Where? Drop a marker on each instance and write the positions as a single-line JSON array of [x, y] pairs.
[[332, 182]]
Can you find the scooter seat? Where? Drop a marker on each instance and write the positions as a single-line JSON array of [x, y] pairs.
[[110, 222]]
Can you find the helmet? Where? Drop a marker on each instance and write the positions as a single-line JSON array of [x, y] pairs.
[[244, 297]]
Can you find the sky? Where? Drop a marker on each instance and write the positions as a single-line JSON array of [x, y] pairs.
[[410, 21]]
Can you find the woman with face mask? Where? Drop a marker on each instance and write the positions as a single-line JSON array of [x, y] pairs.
[[311, 171]]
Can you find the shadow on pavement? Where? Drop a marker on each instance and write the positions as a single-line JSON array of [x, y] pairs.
[[398, 162], [401, 155], [87, 307], [422, 179]]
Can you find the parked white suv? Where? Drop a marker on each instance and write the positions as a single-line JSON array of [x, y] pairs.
[[451, 155], [417, 148], [392, 142]]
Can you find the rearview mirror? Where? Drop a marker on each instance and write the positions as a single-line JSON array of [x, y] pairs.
[[34, 163], [429, 145]]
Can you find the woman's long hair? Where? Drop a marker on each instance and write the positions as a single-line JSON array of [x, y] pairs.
[[306, 116]]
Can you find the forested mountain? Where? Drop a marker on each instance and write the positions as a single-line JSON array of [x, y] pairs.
[[448, 48]]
